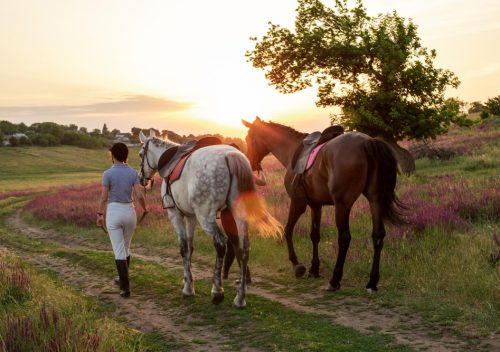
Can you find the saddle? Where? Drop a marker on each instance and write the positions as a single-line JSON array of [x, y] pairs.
[[172, 156], [306, 153], [172, 163]]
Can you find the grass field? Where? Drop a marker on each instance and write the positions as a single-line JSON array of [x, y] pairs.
[[439, 276]]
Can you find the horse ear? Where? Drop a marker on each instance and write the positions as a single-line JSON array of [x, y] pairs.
[[142, 137], [257, 119], [152, 133], [246, 123]]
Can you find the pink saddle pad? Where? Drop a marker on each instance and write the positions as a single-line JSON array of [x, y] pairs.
[[313, 155]]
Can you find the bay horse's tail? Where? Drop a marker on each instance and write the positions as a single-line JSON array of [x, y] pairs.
[[248, 204], [383, 167]]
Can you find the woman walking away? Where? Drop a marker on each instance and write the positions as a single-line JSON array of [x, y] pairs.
[[120, 183]]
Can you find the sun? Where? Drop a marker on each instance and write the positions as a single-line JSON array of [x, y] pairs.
[[232, 95]]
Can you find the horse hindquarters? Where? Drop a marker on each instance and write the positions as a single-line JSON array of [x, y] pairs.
[[246, 207]]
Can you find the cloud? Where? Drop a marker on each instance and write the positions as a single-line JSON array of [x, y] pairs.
[[130, 105]]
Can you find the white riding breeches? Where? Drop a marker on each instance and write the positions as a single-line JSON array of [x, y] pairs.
[[121, 221]]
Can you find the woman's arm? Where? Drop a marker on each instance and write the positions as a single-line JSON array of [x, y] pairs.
[[102, 206], [139, 195]]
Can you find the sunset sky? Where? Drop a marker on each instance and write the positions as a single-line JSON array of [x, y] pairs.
[[180, 65]]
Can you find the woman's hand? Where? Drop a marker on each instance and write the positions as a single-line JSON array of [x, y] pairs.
[[144, 213], [102, 205], [100, 220]]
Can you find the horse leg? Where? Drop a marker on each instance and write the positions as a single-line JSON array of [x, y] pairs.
[[229, 257], [231, 230], [378, 234], [186, 249], [229, 226], [232, 252], [210, 226], [242, 252], [190, 227], [297, 208], [315, 237], [342, 212]]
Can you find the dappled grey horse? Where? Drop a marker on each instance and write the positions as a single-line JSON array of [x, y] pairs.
[[214, 178]]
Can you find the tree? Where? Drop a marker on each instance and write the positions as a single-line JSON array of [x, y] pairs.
[[374, 68], [493, 105], [52, 132], [72, 127], [83, 130], [7, 127], [13, 141], [105, 130], [24, 141], [476, 107]]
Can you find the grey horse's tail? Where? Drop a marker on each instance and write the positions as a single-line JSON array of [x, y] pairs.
[[248, 205]]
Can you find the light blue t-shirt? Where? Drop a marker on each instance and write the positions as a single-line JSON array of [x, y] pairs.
[[121, 180]]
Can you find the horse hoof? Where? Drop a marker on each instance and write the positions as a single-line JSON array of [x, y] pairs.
[[333, 288], [371, 289], [238, 281], [238, 304], [187, 293], [217, 297], [300, 270]]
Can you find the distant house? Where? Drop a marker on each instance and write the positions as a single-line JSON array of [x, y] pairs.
[[121, 138]]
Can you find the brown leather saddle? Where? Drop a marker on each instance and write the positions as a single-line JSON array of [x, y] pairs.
[[311, 141]]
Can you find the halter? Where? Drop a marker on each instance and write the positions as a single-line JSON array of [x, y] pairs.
[[145, 157], [253, 156]]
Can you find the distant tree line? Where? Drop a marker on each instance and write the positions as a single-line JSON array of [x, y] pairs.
[[177, 138], [48, 134], [490, 108]]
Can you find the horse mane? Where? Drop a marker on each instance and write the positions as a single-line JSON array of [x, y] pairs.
[[166, 143], [285, 129]]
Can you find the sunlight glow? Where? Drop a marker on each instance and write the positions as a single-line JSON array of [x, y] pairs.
[[70, 54]]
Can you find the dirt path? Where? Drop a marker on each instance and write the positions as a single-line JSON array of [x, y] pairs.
[[359, 314], [140, 313]]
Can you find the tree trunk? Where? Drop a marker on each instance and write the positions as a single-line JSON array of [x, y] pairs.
[[405, 160]]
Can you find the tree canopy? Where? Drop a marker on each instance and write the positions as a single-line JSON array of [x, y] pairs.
[[493, 105], [374, 68]]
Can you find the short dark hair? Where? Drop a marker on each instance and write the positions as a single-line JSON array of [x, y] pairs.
[[119, 152]]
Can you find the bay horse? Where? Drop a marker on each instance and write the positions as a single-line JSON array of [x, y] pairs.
[[214, 178], [346, 167]]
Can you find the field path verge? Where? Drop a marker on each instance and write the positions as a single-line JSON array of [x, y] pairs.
[[357, 313]]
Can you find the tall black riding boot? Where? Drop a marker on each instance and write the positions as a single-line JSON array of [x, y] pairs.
[[117, 278], [122, 267]]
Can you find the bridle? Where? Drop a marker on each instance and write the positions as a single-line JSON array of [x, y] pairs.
[[145, 157], [258, 166]]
